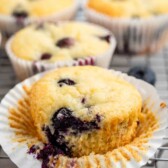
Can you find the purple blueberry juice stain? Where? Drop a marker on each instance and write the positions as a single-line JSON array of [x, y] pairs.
[[45, 153], [63, 123], [35, 68]]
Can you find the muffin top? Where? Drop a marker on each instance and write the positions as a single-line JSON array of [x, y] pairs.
[[33, 8], [130, 8], [60, 42], [87, 106]]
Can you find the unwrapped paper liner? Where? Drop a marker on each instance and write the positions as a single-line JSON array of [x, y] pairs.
[[133, 155]]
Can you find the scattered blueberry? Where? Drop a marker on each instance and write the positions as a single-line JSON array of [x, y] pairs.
[[106, 38], [66, 42], [45, 56], [66, 82], [143, 73]]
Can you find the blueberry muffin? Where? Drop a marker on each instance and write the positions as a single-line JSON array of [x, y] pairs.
[[129, 8], [139, 26], [83, 110], [68, 41], [21, 9]]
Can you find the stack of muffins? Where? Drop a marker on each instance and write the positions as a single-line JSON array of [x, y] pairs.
[[79, 109]]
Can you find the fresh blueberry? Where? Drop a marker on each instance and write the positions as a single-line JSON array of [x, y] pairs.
[[143, 73], [46, 56], [66, 42], [66, 82], [106, 38]]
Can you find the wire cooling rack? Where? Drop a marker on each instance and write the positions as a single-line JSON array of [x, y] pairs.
[[158, 62]]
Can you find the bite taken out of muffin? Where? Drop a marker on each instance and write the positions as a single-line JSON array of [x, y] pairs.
[[84, 110]]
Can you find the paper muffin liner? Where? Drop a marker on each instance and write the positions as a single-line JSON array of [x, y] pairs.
[[134, 36], [15, 139], [9, 25], [25, 69]]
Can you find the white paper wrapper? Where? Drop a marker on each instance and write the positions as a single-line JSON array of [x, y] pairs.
[[8, 24], [134, 36], [117, 158], [25, 69]]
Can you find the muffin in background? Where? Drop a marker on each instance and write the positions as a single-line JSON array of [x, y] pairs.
[[139, 26], [41, 47], [15, 14]]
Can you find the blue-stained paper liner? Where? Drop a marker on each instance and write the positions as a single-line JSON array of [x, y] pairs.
[[133, 155]]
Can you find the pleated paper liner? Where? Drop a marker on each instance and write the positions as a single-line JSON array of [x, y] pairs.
[[8, 24], [18, 133], [134, 36], [25, 69]]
